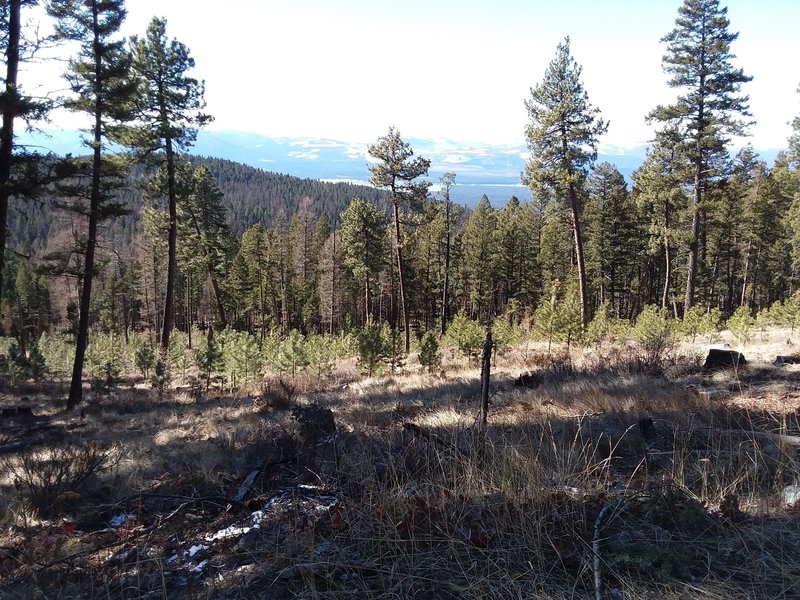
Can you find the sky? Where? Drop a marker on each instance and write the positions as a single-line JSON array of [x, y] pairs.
[[458, 70]]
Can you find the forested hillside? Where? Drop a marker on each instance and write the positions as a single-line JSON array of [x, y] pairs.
[[141, 235]]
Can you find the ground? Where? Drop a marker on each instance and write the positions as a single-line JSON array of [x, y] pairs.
[[610, 477]]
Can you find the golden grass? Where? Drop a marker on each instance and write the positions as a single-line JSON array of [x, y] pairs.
[[411, 501]]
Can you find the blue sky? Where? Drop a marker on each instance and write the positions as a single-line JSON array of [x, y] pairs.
[[458, 70]]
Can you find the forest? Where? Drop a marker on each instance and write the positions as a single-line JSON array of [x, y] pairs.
[[221, 293]]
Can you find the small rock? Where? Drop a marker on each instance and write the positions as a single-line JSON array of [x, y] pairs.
[[791, 495]]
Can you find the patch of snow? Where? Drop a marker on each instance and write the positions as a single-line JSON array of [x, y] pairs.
[[195, 549]]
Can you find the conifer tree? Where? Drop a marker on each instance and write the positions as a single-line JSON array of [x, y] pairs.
[[99, 77], [15, 105], [362, 238], [398, 171], [613, 239], [710, 108], [448, 180], [562, 137], [207, 234], [168, 108], [478, 249], [659, 197]]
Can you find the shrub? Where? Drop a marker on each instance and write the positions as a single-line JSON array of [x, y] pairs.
[[44, 479], [741, 324], [429, 356], [467, 335], [371, 348], [653, 331]]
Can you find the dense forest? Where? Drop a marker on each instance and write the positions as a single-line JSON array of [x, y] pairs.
[[153, 239]]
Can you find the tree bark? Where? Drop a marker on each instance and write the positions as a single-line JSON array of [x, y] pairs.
[[401, 272], [168, 322]]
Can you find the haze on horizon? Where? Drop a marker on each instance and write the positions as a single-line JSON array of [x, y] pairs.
[[458, 70]]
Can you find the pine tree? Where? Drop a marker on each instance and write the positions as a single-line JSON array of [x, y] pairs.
[[99, 77], [448, 180], [207, 234], [397, 171], [562, 137], [362, 238], [478, 249], [711, 107], [169, 105], [659, 197], [613, 239], [15, 105]]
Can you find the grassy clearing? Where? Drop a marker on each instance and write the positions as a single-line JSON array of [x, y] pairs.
[[690, 471]]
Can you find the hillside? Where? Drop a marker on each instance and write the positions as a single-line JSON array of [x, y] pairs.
[[251, 196]]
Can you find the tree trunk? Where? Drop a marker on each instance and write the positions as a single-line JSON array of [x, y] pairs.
[[401, 273], [172, 264], [667, 259], [691, 277], [576, 228], [7, 132], [446, 291]]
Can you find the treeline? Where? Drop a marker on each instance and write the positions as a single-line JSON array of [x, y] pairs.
[[151, 240]]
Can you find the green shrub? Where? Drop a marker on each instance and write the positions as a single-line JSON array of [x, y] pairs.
[[467, 335], [371, 348], [741, 324], [654, 333], [145, 359], [429, 356]]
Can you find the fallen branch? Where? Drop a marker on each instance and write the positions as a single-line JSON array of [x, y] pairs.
[[598, 526]]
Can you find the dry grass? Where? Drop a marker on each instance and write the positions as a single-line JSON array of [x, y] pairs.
[[409, 500]]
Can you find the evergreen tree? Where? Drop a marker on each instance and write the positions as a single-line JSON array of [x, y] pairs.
[[478, 249], [397, 171], [99, 77], [15, 105], [659, 198], [168, 105], [448, 180], [710, 108], [362, 235], [207, 234], [562, 137], [613, 237]]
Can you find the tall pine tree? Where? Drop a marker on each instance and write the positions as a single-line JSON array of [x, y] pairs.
[[562, 137], [398, 171], [169, 110], [99, 78], [711, 107]]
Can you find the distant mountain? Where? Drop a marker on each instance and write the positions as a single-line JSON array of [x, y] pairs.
[[480, 168]]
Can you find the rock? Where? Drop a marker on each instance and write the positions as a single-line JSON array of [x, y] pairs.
[[786, 360], [529, 381], [718, 360], [791, 495]]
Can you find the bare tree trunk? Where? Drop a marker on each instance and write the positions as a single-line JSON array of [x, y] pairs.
[[172, 264], [486, 367], [401, 274]]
